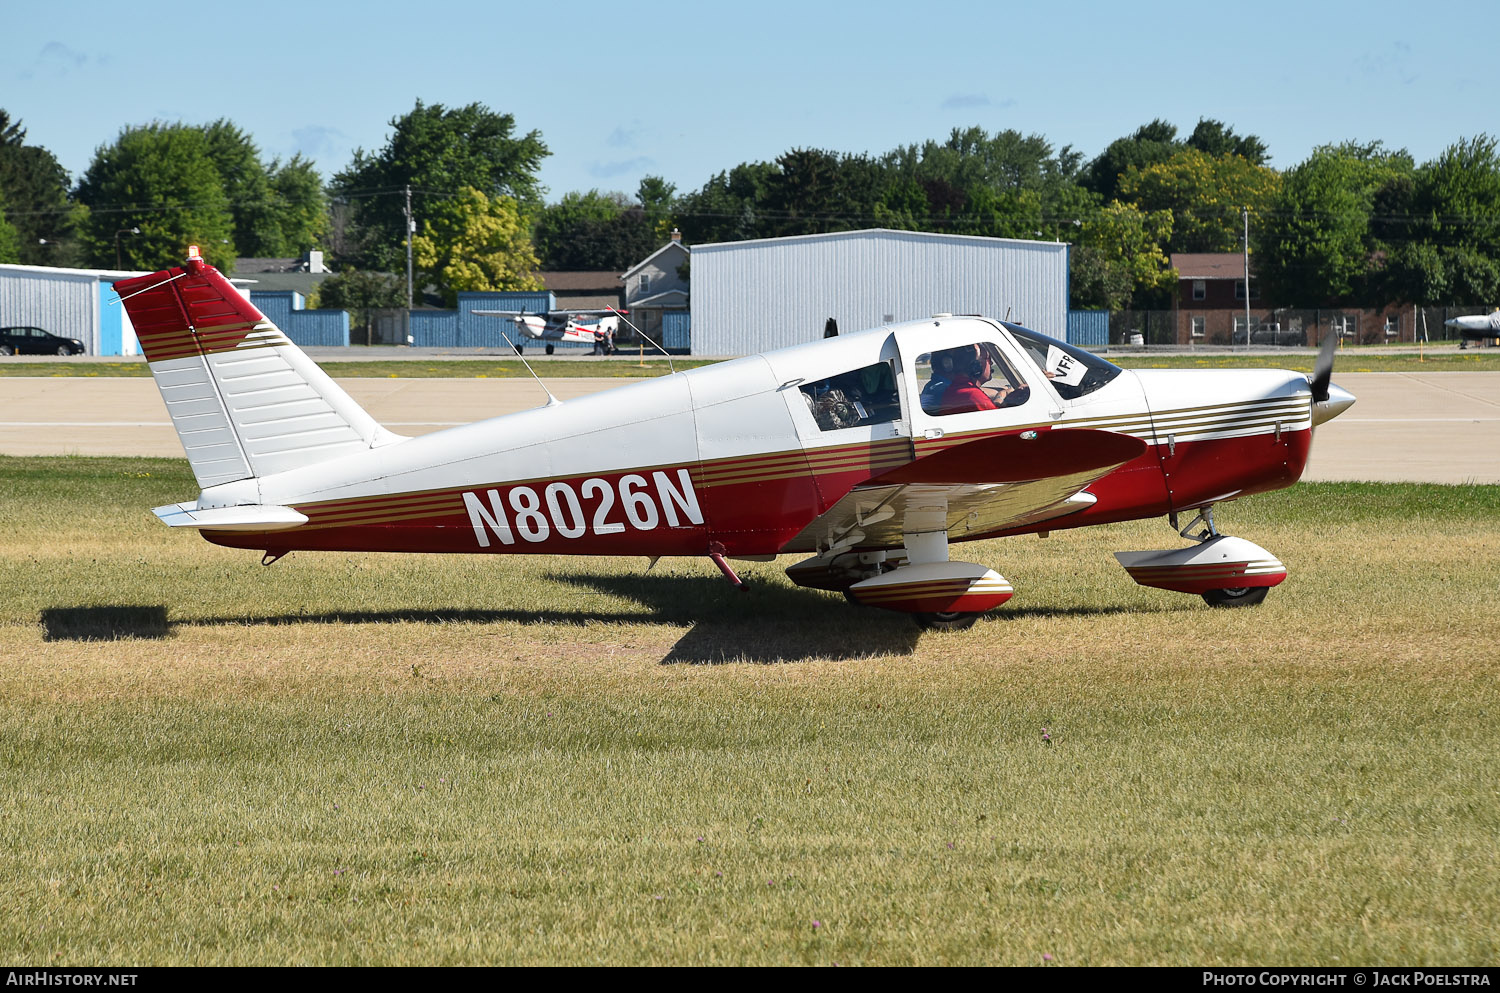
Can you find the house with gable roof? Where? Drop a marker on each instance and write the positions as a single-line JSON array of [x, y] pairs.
[[656, 287]]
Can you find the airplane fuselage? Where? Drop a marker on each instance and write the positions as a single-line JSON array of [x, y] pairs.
[[1477, 327], [733, 458]]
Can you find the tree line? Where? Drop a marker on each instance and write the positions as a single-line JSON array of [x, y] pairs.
[[1352, 225]]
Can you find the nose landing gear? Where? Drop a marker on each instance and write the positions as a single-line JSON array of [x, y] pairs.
[[1223, 570]]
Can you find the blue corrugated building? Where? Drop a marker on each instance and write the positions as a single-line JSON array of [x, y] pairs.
[[1088, 328], [286, 310]]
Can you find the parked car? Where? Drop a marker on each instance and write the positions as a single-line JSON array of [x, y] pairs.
[[35, 341]]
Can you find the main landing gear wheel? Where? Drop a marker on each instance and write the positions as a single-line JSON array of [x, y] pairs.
[[950, 621], [1238, 596]]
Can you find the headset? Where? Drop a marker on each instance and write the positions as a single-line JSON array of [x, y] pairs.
[[970, 360]]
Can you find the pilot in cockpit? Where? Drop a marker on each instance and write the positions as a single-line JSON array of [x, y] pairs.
[[972, 367]]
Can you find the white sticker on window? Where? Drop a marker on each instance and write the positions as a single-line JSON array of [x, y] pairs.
[[1064, 368]]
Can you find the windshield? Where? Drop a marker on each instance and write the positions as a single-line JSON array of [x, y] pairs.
[[1073, 371]]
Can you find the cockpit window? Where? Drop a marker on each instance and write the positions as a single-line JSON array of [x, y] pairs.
[[967, 378], [1071, 370], [864, 396]]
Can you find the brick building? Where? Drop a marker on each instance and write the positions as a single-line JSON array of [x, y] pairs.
[[1211, 310]]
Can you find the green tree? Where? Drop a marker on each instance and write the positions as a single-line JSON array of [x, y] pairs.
[[301, 205], [1458, 196], [1440, 233], [10, 241], [730, 206], [247, 187], [360, 292], [439, 152], [658, 198], [1146, 146], [1003, 185], [1218, 139], [565, 230], [814, 191], [359, 289], [1316, 243], [35, 189], [1205, 195], [476, 242], [1118, 260], [162, 180]]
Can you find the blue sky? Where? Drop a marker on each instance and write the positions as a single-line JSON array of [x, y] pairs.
[[619, 91]]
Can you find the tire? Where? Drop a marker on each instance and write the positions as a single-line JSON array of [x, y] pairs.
[[7, 350], [1240, 596], [64, 350], [549, 349], [953, 621]]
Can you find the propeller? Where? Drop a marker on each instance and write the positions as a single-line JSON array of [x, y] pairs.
[[1328, 401], [1323, 368]]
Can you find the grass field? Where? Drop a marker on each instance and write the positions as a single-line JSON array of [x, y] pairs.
[[426, 760], [1350, 360]]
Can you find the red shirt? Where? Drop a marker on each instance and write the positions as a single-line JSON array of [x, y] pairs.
[[964, 395]]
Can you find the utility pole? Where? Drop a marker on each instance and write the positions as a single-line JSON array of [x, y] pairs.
[[410, 227], [1245, 213]]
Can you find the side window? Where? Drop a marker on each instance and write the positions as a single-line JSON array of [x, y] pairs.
[[863, 396], [966, 378]]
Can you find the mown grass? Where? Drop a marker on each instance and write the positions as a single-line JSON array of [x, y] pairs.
[[419, 759], [1349, 360]]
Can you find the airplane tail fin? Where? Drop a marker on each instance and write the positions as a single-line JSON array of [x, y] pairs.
[[244, 399]]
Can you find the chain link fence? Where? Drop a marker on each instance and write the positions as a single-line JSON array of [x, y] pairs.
[[1287, 327]]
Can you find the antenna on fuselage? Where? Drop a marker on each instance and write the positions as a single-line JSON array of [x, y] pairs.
[[552, 401], [621, 315]]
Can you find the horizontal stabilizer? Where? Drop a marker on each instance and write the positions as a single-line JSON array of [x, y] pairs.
[[251, 518]]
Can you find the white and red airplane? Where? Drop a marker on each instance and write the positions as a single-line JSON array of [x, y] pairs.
[[869, 453], [1477, 327], [562, 325]]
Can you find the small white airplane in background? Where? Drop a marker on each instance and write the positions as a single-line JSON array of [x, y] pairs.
[[563, 325], [870, 453], [1478, 327]]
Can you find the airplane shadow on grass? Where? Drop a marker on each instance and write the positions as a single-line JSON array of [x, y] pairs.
[[109, 623], [768, 623], [765, 623]]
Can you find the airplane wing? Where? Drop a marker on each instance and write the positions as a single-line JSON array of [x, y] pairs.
[[973, 488], [553, 315]]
